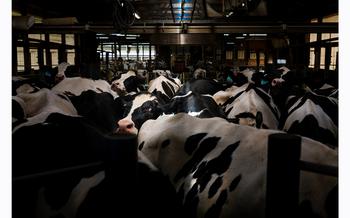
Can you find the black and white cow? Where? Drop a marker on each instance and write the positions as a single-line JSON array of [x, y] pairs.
[[164, 87], [219, 168], [252, 106], [137, 109], [129, 83], [39, 105], [305, 112], [65, 167], [313, 116]]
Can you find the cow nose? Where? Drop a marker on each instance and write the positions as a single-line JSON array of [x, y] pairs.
[[126, 126]]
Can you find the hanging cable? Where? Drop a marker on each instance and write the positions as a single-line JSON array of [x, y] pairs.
[[123, 14]]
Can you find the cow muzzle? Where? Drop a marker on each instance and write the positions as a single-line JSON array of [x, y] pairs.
[[126, 126]]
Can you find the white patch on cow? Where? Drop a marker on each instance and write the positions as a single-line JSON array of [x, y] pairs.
[[284, 69], [248, 160], [39, 105], [183, 96], [77, 196], [77, 85], [249, 74], [195, 113], [222, 96]]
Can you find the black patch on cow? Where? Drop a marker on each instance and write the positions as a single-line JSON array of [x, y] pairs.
[[130, 84], [141, 145], [235, 182], [101, 109], [171, 87], [17, 111], [148, 110], [192, 142], [215, 187], [204, 148], [191, 201], [200, 86], [167, 89], [309, 127], [258, 119], [228, 111], [165, 143], [218, 165], [245, 115], [63, 97], [172, 80], [215, 210]]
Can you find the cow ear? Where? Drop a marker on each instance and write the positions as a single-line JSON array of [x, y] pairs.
[[259, 119]]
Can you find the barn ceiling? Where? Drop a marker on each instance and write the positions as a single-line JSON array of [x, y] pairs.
[[100, 12]]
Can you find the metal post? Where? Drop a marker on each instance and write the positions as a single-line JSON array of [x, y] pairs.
[[282, 185]]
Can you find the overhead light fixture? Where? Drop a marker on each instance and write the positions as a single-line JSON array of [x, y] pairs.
[[258, 34], [137, 16]]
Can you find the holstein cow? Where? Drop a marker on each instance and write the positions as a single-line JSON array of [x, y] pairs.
[[67, 168], [129, 83], [305, 112], [219, 168], [313, 116], [143, 106], [250, 105]]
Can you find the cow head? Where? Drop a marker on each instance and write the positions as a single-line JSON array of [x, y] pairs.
[[138, 109], [128, 83]]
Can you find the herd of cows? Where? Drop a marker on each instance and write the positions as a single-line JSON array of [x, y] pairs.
[[201, 145]]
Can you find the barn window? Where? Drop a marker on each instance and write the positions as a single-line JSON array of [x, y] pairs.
[[323, 51], [312, 58], [20, 59]]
